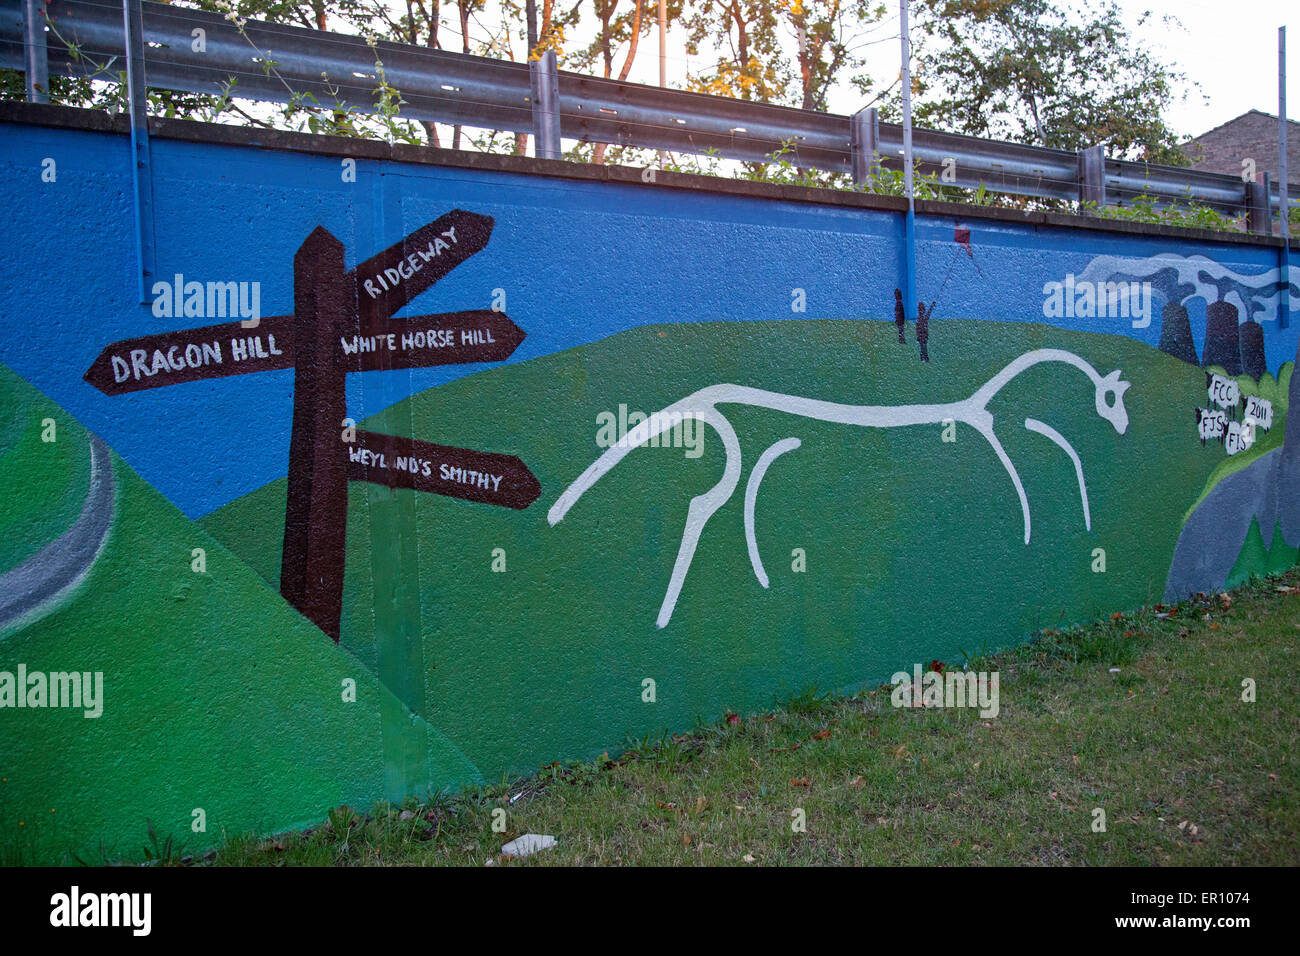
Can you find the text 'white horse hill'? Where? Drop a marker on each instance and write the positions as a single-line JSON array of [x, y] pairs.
[[702, 406]]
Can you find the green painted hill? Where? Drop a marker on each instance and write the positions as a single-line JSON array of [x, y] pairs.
[[36, 503], [914, 547], [217, 694]]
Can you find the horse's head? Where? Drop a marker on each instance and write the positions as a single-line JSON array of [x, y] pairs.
[[1113, 410]]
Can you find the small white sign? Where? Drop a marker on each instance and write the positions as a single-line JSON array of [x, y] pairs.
[[1210, 424], [1224, 392], [1260, 411], [1239, 437]]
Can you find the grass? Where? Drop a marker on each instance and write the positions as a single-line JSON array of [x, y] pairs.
[[1185, 770]]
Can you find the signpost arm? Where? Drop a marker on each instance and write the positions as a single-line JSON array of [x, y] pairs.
[[315, 527]]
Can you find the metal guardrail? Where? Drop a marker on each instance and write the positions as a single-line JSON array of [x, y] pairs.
[[454, 88]]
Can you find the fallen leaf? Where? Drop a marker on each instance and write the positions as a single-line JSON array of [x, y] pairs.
[[747, 858], [822, 734], [857, 782], [800, 782]]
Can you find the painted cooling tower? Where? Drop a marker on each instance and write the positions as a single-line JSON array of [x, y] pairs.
[[1253, 363], [1176, 333], [1222, 340]]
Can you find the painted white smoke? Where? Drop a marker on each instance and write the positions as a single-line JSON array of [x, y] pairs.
[[1189, 270]]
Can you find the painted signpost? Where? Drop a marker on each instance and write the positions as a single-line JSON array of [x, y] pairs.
[[343, 322]]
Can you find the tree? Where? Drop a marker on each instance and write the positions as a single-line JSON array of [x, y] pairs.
[[828, 39], [464, 10], [1031, 72], [781, 51], [550, 36], [749, 64], [417, 25]]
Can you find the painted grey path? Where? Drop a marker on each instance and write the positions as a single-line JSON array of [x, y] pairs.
[[60, 565], [1267, 489], [1211, 540]]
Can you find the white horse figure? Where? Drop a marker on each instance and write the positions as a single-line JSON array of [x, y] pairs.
[[702, 405]]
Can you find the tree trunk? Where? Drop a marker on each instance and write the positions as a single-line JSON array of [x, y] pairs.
[[464, 39], [598, 154]]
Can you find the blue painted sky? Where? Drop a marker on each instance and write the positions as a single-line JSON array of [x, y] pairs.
[[577, 262]]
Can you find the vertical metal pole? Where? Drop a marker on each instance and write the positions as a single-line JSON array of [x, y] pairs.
[[37, 62], [663, 43], [1283, 186], [909, 224], [141, 165], [546, 108], [663, 56], [530, 29]]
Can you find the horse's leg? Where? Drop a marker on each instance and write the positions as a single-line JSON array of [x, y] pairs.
[[987, 432], [751, 494], [702, 509], [1034, 425]]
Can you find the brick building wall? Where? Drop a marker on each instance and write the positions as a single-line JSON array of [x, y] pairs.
[[1251, 135]]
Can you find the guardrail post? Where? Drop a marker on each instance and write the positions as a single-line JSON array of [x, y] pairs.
[[1092, 175], [546, 106], [35, 54], [864, 139], [1258, 201]]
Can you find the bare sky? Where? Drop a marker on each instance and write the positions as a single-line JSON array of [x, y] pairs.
[[1230, 49]]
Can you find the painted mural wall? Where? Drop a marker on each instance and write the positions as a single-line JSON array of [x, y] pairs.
[[408, 476]]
